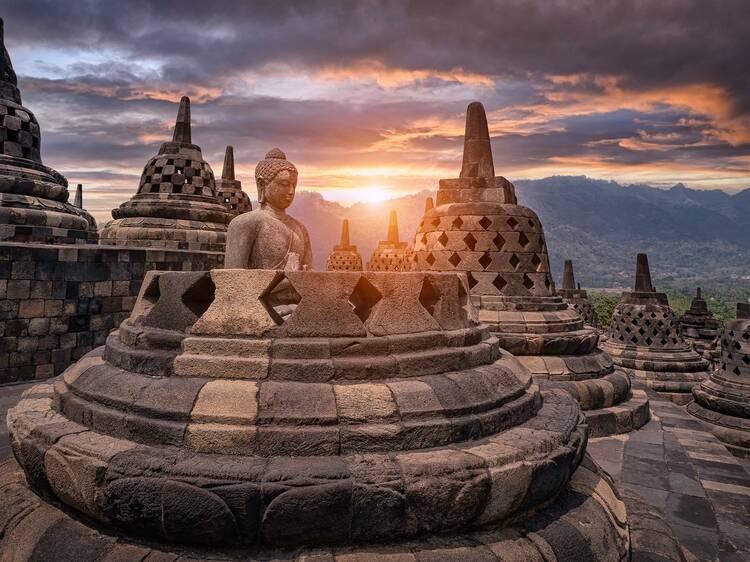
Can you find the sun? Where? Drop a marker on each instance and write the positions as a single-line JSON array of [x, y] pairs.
[[371, 194]]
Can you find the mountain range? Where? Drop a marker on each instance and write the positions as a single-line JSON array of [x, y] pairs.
[[691, 236]]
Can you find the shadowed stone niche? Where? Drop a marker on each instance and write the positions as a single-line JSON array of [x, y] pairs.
[[576, 297], [33, 198], [700, 329], [176, 206], [391, 254], [378, 419], [724, 399], [644, 338], [478, 228], [345, 256]]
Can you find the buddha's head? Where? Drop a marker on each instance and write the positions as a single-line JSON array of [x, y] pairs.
[[276, 179]]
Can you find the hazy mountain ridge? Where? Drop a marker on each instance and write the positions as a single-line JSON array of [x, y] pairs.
[[691, 235]]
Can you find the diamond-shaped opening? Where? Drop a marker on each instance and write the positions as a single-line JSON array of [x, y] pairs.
[[514, 261], [664, 341], [746, 360], [472, 282], [430, 258], [457, 223], [499, 283], [363, 298], [280, 298], [470, 241], [640, 315], [641, 331], [428, 296], [200, 295], [647, 322], [547, 282], [627, 329], [634, 339], [436, 222], [498, 241], [424, 238], [485, 260], [737, 345], [649, 341], [455, 259], [536, 261], [736, 371], [443, 238], [512, 222], [621, 338], [527, 282], [653, 315], [745, 336], [485, 223], [660, 324], [523, 240]]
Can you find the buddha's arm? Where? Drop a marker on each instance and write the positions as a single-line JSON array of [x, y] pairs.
[[240, 240], [307, 260]]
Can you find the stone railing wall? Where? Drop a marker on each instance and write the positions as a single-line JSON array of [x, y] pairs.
[[59, 302]]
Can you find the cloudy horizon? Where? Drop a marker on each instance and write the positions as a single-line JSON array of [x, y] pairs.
[[368, 98]]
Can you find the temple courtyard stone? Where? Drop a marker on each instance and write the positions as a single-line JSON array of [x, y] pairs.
[[644, 338], [477, 227]]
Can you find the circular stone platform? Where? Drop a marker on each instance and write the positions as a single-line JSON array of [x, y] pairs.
[[377, 411]]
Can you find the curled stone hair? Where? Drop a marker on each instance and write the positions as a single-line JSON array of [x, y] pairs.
[[274, 162]]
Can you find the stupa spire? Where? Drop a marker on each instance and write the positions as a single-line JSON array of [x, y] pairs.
[[228, 172], [182, 126], [345, 233], [569, 282], [78, 201], [393, 227], [8, 81], [643, 275], [477, 161], [698, 294], [429, 204]]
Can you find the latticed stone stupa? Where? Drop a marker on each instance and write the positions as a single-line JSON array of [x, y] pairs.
[[700, 329], [478, 228], [391, 254], [576, 297], [229, 189], [33, 198], [724, 399], [176, 205], [344, 256], [379, 418], [644, 338]]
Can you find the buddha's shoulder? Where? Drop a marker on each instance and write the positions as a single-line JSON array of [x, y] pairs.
[[249, 219], [297, 224]]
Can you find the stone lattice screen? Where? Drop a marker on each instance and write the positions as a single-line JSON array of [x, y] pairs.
[[58, 303]]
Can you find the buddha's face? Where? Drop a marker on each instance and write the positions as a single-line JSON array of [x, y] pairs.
[[280, 192]]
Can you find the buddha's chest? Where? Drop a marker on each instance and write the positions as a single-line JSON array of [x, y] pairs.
[[275, 240]]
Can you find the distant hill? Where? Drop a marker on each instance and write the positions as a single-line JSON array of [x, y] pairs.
[[691, 236]]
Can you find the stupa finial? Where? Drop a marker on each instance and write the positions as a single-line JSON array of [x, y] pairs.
[[8, 81], [569, 282], [643, 275], [698, 294], [477, 161], [429, 204], [78, 201], [393, 227], [227, 172], [345, 233], [182, 126]]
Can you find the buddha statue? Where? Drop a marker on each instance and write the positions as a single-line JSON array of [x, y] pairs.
[[267, 237]]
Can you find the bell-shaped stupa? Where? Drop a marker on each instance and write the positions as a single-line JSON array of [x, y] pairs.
[[229, 189], [176, 206], [378, 419], [644, 337], [700, 328], [724, 399], [576, 297], [391, 254], [345, 256], [478, 228], [34, 203]]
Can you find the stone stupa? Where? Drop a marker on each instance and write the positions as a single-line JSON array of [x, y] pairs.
[[724, 399], [391, 254], [700, 329], [576, 297], [644, 338], [379, 420], [229, 189], [176, 206], [344, 256], [477, 227], [34, 203]]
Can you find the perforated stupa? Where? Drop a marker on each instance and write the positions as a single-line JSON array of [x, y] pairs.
[[176, 205], [34, 203], [644, 337], [700, 328], [577, 298], [344, 256], [229, 189], [391, 254], [477, 227]]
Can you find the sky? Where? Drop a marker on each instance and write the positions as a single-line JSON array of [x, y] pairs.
[[367, 98]]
